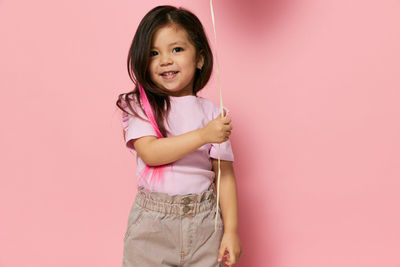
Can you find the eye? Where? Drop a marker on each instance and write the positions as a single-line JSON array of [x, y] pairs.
[[154, 53], [179, 48]]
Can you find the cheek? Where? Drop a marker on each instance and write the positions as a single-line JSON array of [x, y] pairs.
[[189, 66], [192, 63], [152, 71]]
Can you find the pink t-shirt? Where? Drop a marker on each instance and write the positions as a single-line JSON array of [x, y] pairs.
[[193, 173]]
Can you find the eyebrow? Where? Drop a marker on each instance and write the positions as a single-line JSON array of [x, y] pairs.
[[174, 43]]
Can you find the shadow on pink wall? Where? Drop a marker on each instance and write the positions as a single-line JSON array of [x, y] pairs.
[[255, 21], [254, 18]]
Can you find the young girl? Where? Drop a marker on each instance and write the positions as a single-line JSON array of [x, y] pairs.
[[176, 135]]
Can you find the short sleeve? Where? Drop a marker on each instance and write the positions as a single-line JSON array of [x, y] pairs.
[[135, 127], [225, 149]]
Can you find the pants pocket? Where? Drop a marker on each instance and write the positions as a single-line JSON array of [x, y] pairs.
[[135, 217]]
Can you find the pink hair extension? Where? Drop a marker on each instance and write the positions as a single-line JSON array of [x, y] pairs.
[[158, 171]]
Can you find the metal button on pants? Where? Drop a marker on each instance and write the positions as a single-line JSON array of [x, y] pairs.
[[172, 230]]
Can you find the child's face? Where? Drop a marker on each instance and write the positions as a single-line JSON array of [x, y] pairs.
[[165, 56]]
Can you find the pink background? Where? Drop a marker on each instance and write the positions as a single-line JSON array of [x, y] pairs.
[[313, 89]]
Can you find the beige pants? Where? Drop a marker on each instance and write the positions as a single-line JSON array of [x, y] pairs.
[[177, 230]]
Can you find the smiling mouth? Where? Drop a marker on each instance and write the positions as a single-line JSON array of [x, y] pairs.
[[170, 73]]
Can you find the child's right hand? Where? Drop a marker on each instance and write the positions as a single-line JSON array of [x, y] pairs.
[[217, 130]]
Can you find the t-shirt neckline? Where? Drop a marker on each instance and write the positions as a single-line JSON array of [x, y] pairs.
[[182, 97]]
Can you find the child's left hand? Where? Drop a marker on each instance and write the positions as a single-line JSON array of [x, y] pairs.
[[230, 243]]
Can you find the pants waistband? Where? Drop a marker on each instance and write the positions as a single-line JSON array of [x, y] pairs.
[[189, 204]]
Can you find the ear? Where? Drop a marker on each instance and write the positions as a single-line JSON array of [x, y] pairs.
[[200, 60]]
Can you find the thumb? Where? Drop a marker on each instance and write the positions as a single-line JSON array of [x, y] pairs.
[[223, 112], [221, 253]]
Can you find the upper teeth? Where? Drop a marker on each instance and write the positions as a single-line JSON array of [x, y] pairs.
[[169, 73]]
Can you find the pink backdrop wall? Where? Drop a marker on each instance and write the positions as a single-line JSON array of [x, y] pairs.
[[313, 89]]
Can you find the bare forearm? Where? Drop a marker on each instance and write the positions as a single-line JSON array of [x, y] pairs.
[[228, 202], [169, 149]]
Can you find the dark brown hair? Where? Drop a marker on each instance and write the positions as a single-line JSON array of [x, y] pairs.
[[139, 59]]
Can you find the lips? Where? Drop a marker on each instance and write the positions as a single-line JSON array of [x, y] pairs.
[[169, 75]]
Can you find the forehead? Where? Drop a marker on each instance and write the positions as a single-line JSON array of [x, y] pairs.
[[168, 35]]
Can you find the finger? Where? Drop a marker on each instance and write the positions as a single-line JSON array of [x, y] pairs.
[[221, 253], [223, 112], [227, 261], [231, 257], [227, 127], [227, 119]]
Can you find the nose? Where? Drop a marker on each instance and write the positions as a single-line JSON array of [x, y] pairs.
[[165, 60]]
